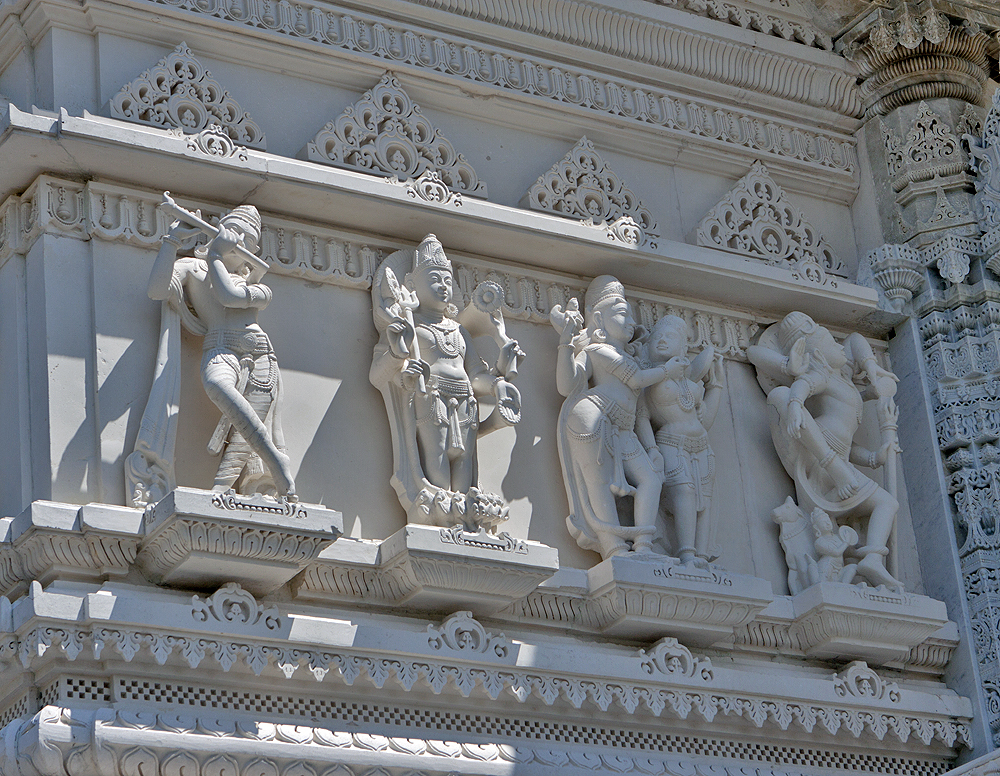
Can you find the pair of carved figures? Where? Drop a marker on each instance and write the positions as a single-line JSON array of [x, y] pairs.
[[635, 423]]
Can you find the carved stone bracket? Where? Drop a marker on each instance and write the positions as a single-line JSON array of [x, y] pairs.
[[179, 92], [49, 541], [582, 185], [462, 633], [898, 269], [431, 569], [232, 604], [199, 539], [756, 220], [385, 133]]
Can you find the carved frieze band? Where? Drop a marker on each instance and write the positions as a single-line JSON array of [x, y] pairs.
[[109, 742], [674, 694], [125, 214], [465, 59]]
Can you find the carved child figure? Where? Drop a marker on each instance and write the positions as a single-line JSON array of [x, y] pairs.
[[599, 451], [680, 409], [831, 544], [221, 297], [431, 374]]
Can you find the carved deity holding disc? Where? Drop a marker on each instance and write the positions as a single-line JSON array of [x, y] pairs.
[[816, 389], [430, 373]]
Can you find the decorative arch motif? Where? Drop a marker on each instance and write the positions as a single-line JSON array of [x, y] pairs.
[[582, 185], [180, 92], [385, 133], [755, 219]]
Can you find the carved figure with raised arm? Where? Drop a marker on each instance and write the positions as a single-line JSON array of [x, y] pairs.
[[674, 416], [816, 389], [430, 373], [216, 292], [601, 456]]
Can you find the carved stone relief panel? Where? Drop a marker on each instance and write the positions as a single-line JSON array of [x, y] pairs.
[[386, 133], [180, 92]]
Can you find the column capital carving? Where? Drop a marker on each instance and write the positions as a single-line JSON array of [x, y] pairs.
[[911, 50]]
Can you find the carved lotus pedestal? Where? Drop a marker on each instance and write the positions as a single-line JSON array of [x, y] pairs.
[[431, 569], [836, 620], [652, 597], [200, 539]]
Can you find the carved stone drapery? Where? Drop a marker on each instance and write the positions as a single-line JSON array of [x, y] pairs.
[[582, 185], [385, 133], [756, 220], [180, 92]]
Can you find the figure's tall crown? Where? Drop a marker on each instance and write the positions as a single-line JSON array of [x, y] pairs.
[[603, 288], [430, 253], [793, 326], [248, 216]]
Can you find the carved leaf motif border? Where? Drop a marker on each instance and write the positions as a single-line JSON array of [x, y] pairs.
[[129, 215], [657, 698], [466, 60]]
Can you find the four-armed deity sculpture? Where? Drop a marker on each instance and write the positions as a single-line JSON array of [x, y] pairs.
[[812, 385], [431, 376], [215, 293]]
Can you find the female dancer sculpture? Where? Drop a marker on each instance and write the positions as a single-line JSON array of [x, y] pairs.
[[600, 454], [810, 384]]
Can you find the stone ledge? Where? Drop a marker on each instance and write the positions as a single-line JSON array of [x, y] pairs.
[[431, 569], [49, 541], [200, 539]]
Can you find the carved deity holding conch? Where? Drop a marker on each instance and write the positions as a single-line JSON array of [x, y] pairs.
[[428, 368], [214, 291], [816, 390]]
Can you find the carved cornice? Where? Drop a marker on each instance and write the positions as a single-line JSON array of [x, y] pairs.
[[537, 78], [912, 50], [673, 694], [109, 742]]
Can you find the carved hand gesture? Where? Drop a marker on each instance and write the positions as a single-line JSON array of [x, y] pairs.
[[508, 401], [675, 367], [182, 235], [224, 242], [413, 369], [656, 458], [795, 419], [798, 358]]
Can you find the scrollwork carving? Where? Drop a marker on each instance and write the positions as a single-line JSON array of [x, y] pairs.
[[756, 220], [386, 133], [179, 92], [462, 633], [669, 656], [232, 604], [860, 681]]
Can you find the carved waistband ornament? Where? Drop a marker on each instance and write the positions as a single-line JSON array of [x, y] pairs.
[[582, 185], [462, 633], [385, 133], [756, 220], [501, 542], [231, 502], [232, 604], [179, 92], [669, 656]]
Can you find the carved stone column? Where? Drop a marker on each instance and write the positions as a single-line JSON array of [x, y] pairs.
[[924, 68]]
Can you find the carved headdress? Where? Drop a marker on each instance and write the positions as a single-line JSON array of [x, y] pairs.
[[430, 253], [603, 289], [793, 326], [248, 219]]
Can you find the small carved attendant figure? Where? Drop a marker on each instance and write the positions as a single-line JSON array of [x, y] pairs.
[[218, 294], [600, 453], [430, 375], [810, 383], [681, 407]]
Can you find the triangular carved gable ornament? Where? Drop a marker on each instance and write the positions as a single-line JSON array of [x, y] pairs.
[[385, 133], [582, 185], [756, 220], [179, 92]]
